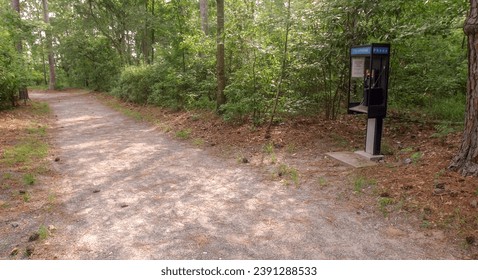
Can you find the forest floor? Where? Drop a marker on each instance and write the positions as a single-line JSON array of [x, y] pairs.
[[148, 183]]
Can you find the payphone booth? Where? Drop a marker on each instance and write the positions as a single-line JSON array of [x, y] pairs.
[[368, 90]]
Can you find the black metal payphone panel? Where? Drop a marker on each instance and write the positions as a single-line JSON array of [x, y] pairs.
[[368, 84], [368, 90]]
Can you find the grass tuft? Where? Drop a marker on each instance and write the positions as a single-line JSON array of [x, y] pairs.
[[183, 134]]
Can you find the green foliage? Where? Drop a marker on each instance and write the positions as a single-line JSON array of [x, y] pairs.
[[40, 130], [25, 152], [43, 232], [155, 52], [383, 202], [361, 182], [415, 157], [268, 148], [29, 179], [29, 150], [12, 70], [134, 84], [289, 173], [89, 61], [40, 108], [442, 130], [26, 196], [183, 134], [451, 108]]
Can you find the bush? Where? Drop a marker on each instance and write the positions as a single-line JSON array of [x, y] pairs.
[[12, 75], [88, 62], [448, 109], [135, 84]]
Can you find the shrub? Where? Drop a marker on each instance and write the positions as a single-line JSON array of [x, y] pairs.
[[12, 74], [135, 84]]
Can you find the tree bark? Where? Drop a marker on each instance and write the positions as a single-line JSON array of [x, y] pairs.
[[16, 7], [145, 38], [51, 58], [152, 30], [220, 64], [204, 16], [22, 91], [282, 73], [466, 160]]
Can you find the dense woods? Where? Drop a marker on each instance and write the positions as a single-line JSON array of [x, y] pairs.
[[163, 52]]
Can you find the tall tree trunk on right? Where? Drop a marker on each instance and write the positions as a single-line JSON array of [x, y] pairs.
[[220, 64], [51, 59], [204, 16], [466, 160], [22, 91]]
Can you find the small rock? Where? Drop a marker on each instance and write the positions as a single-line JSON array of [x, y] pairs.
[[14, 252], [385, 194], [34, 237], [474, 203], [438, 191], [278, 145], [51, 228], [30, 249], [96, 191], [245, 160], [407, 161], [57, 159], [470, 239]]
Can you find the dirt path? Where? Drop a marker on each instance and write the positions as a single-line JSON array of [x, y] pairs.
[[130, 192]]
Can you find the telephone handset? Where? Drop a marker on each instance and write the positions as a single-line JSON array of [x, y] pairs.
[[372, 79]]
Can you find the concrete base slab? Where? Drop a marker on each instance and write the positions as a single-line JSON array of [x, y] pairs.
[[353, 159], [369, 156]]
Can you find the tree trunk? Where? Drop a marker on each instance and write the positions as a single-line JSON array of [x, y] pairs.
[[22, 91], [466, 161], [145, 38], [152, 30], [51, 59], [16, 7], [220, 64], [282, 73], [204, 16]]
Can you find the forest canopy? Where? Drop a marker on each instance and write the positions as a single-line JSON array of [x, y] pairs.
[[163, 52]]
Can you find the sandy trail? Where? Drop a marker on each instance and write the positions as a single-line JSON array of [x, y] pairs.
[[130, 192]]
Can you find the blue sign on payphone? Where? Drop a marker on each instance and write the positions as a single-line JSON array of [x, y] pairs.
[[368, 50], [360, 51], [380, 50]]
